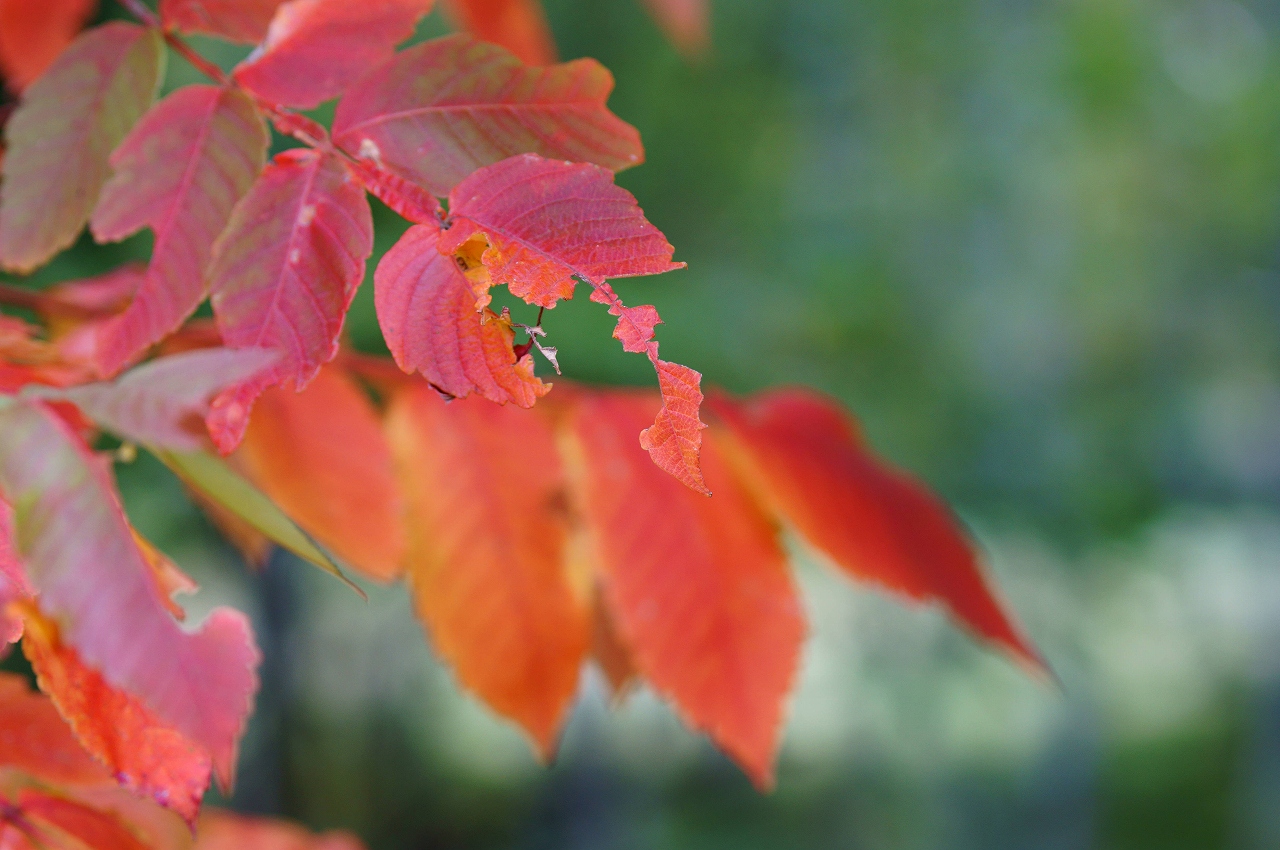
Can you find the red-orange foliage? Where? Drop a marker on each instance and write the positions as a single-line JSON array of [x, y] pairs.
[[532, 528]]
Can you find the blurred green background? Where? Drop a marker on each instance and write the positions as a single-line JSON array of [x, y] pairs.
[[1033, 245]]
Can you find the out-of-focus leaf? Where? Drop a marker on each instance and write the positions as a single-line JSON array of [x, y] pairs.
[[686, 22], [236, 20], [444, 108], [697, 587], [802, 456], [61, 136], [223, 830], [36, 740], [179, 172], [322, 457], [487, 523], [33, 34], [316, 48], [85, 825], [146, 754], [518, 25], [210, 476], [428, 314], [163, 403], [284, 274], [91, 579]]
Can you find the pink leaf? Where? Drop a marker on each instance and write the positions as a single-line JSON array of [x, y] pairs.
[[316, 48], [237, 20], [686, 23], [429, 319], [285, 270], [14, 586], [410, 200], [541, 223], [92, 580], [62, 134], [163, 402], [181, 171], [444, 108]]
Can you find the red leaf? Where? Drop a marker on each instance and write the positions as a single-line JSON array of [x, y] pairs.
[[163, 403], [36, 740], [180, 172], [221, 830], [518, 25], [444, 108], [146, 755], [33, 34], [14, 586], [90, 827], [486, 560], [429, 319], [698, 588], [408, 199], [545, 221], [686, 22], [238, 20], [322, 457], [284, 273], [802, 455], [316, 48], [93, 581], [539, 223], [62, 134]]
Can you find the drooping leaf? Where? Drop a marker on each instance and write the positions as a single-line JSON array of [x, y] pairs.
[[211, 477], [33, 34], [486, 559], [536, 225], [698, 588], [444, 108], [164, 403], [223, 830], [146, 754], [518, 25], [180, 172], [62, 134], [36, 740], [91, 578], [316, 48], [686, 22], [429, 319], [802, 456], [322, 457], [284, 273], [237, 20]]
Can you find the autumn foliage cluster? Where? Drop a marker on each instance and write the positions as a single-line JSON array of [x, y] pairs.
[[536, 530]]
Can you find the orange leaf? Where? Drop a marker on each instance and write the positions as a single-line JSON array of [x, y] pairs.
[[698, 588], [487, 553], [802, 456], [145, 755], [33, 34], [518, 25], [36, 740], [322, 457], [95, 829]]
